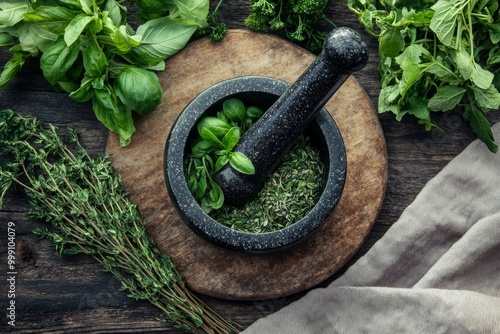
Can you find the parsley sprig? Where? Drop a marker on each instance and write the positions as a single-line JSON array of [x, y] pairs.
[[436, 57]]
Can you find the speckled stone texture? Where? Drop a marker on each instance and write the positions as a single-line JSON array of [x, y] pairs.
[[267, 141], [263, 92]]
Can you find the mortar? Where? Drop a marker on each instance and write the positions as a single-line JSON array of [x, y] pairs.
[[269, 94]]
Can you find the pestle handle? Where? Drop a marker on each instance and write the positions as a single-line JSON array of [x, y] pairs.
[[265, 143]]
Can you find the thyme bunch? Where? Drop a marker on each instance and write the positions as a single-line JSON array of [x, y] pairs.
[[84, 200]]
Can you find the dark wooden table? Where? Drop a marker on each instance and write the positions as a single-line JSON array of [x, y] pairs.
[[56, 294]]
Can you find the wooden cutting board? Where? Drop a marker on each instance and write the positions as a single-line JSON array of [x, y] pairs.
[[219, 273]]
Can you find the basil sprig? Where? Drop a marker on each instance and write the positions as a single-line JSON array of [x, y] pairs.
[[213, 149], [89, 50]]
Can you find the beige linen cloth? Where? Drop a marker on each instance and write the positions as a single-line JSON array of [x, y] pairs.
[[436, 270]]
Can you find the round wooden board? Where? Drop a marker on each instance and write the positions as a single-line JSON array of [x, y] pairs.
[[219, 273]]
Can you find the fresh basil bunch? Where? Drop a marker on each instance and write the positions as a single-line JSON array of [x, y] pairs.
[[89, 50], [213, 149]]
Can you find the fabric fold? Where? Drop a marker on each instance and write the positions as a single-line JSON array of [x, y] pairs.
[[436, 270]]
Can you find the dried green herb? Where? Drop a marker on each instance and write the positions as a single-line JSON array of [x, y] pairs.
[[287, 196], [84, 201]]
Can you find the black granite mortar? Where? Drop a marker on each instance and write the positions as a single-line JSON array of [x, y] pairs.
[[261, 92]]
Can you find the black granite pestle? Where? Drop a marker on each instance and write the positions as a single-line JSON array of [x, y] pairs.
[[268, 139]]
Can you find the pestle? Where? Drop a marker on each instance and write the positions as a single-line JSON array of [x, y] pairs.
[[265, 143]]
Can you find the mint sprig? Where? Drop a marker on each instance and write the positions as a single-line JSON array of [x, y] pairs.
[[436, 57]]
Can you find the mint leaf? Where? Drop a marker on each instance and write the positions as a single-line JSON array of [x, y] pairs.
[[391, 42], [444, 21], [487, 99], [481, 77], [480, 126], [446, 98]]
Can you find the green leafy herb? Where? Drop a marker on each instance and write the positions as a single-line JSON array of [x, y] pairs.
[[89, 50], [437, 56], [218, 135], [215, 29], [289, 193], [84, 201], [296, 18]]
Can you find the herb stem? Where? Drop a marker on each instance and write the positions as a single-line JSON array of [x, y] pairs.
[[85, 202]]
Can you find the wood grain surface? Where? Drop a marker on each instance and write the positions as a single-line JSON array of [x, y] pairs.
[[74, 295], [223, 274]]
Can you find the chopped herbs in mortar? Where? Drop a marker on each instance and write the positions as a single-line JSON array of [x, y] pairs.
[[288, 194], [83, 200]]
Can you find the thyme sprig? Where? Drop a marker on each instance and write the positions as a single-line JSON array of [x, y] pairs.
[[84, 200]]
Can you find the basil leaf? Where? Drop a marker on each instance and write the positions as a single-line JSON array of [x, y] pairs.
[[57, 60], [202, 148], [210, 137], [153, 9], [138, 89], [116, 12], [123, 41], [446, 98], [87, 6], [6, 39], [254, 113], [443, 73], [215, 125], [231, 138], [241, 163], [11, 68], [114, 116], [162, 38], [234, 110], [417, 106], [76, 27], [85, 92], [73, 4], [215, 195], [192, 182], [34, 39], [201, 184], [94, 59], [51, 18], [388, 98], [221, 162], [193, 12], [12, 12]]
